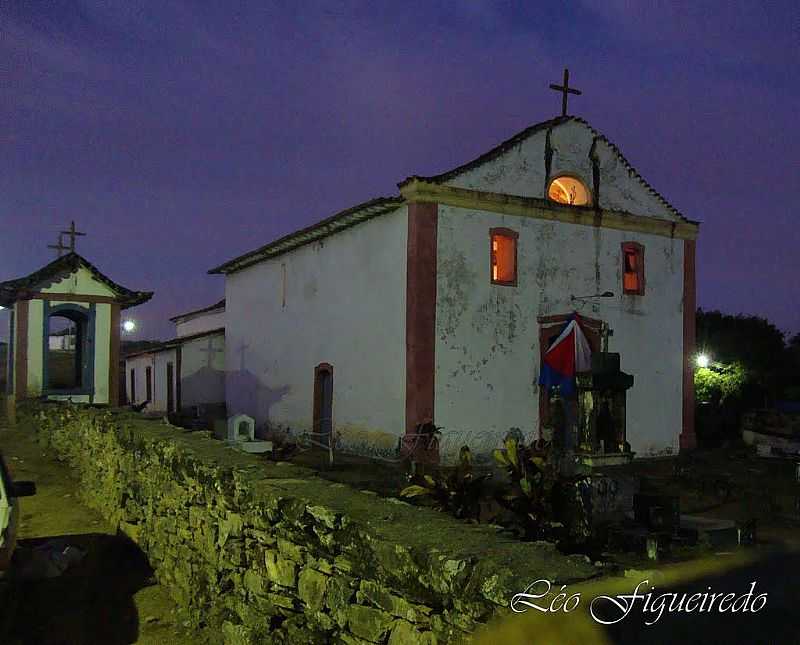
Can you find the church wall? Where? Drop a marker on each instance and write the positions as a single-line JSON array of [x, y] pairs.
[[160, 390], [521, 171], [201, 323], [203, 378], [487, 352], [102, 351], [35, 347], [343, 303]]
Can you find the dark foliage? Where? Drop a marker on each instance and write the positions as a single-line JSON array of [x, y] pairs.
[[458, 493]]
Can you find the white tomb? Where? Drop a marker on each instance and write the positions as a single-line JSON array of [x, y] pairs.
[[242, 435]]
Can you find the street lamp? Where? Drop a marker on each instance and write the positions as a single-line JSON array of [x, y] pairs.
[[703, 360], [128, 326]]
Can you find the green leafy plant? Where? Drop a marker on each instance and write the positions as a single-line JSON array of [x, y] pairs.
[[545, 503], [532, 478], [719, 383], [458, 493]]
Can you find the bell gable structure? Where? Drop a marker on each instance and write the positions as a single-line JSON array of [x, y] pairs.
[[83, 369]]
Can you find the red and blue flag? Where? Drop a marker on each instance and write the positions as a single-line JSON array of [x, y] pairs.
[[568, 354]]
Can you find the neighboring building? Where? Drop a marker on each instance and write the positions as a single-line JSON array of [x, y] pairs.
[[64, 339], [186, 374], [150, 376], [68, 288], [438, 304]]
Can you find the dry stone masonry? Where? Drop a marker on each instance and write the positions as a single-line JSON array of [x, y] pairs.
[[271, 553]]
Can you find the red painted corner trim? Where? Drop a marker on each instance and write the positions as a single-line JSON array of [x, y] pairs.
[[688, 438], [21, 350], [421, 314]]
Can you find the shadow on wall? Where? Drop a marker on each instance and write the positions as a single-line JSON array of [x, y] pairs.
[[204, 386], [246, 394]]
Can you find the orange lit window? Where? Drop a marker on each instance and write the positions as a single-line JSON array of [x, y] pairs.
[[504, 256], [633, 268], [569, 190]]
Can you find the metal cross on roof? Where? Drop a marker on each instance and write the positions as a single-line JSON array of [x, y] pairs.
[[71, 234], [565, 89], [60, 246]]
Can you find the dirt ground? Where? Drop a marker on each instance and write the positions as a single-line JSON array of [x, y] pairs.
[[110, 596]]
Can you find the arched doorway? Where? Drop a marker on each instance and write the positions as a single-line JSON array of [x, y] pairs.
[[323, 402], [69, 349]]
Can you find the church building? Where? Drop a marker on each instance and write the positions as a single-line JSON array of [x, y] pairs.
[[440, 305], [64, 336]]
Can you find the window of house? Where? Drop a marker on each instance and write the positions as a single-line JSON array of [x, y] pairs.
[[633, 268], [569, 190], [504, 256]]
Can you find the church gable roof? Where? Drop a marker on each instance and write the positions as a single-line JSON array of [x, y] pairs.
[[333, 224], [600, 144], [635, 197], [45, 278]]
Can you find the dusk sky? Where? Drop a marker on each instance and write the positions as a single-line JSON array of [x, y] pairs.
[[179, 135]]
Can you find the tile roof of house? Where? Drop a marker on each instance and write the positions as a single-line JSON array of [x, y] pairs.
[[173, 342], [216, 305], [11, 290], [373, 208], [333, 224]]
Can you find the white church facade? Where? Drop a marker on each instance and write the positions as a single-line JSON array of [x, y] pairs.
[[437, 305]]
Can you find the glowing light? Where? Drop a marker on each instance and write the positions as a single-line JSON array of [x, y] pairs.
[[128, 326], [702, 360], [568, 190]]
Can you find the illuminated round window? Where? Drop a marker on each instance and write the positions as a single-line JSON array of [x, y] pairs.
[[568, 190]]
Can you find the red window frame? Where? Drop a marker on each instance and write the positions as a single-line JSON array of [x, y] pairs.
[[635, 251], [508, 234]]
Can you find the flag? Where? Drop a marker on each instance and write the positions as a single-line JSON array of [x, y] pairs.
[[568, 353]]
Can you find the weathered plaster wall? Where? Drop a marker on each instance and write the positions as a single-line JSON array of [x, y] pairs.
[[203, 370], [201, 323], [35, 347], [102, 351], [268, 552], [343, 304], [522, 171], [487, 352], [487, 335]]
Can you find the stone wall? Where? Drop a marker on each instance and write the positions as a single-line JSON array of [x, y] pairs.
[[269, 552]]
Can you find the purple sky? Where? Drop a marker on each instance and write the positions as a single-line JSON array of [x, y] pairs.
[[182, 134]]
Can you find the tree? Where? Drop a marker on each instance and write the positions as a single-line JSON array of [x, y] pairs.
[[751, 341]]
